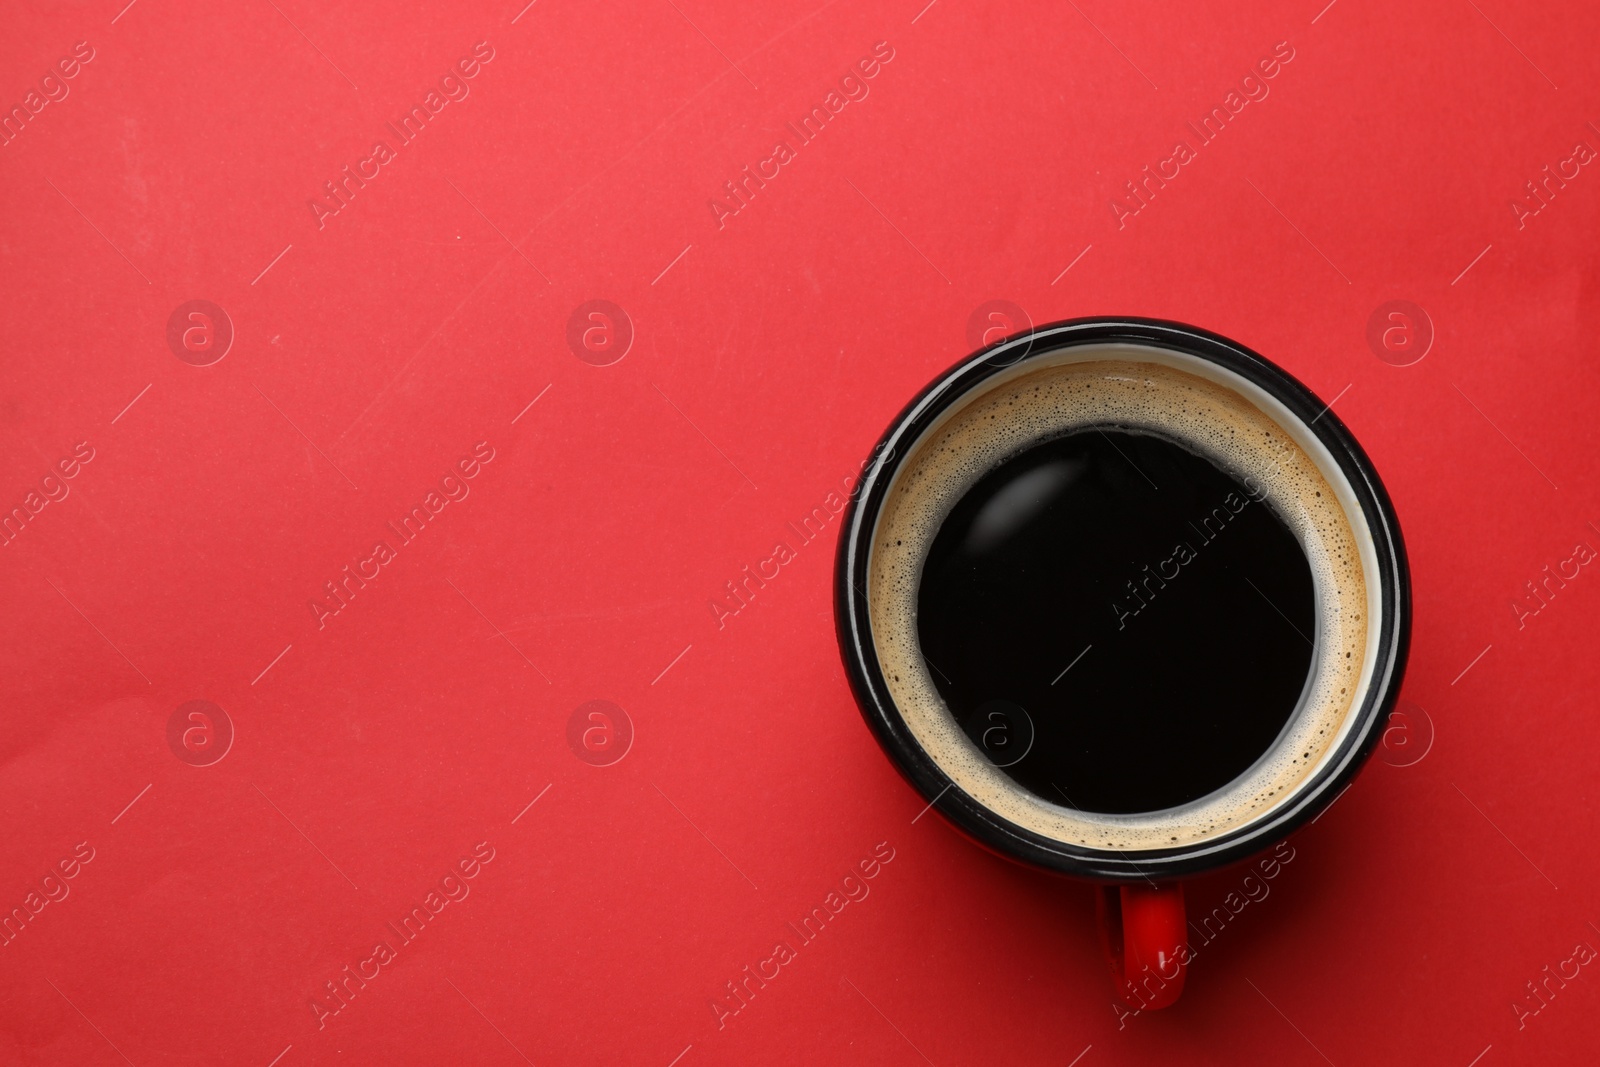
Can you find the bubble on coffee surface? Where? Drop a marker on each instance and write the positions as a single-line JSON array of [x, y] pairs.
[[1217, 423]]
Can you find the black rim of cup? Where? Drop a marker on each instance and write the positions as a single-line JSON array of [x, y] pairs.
[[1326, 782]]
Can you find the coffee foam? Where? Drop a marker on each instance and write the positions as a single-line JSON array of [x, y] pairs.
[[1130, 387]]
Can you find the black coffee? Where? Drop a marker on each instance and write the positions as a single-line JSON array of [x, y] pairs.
[[1116, 622]]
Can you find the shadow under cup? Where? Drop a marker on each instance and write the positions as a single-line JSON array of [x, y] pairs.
[[1221, 586]]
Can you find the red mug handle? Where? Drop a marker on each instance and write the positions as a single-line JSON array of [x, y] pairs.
[[1142, 928]]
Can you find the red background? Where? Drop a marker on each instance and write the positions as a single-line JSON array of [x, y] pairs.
[[769, 353]]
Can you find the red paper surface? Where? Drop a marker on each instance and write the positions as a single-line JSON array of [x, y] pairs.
[[375, 748]]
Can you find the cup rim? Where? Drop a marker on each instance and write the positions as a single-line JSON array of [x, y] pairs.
[[999, 834]]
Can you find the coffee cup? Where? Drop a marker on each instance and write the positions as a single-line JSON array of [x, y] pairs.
[[1123, 600]]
